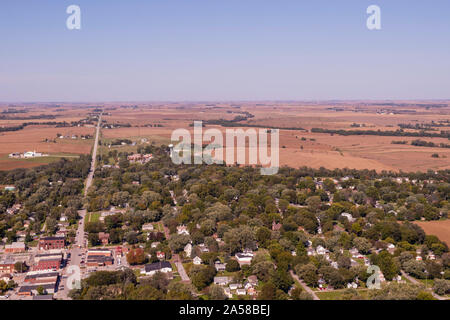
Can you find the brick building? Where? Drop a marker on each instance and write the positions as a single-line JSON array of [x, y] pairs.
[[7, 265], [15, 247], [50, 243], [49, 261], [99, 257]]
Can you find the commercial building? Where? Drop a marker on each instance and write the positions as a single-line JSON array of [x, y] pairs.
[[99, 257], [15, 247], [50, 243], [7, 265], [48, 261]]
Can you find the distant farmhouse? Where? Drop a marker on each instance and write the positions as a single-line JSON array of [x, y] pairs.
[[27, 155]]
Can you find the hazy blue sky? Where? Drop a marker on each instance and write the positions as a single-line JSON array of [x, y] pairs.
[[223, 50]]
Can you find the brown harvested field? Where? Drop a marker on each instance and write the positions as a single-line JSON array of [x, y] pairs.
[[316, 149], [440, 228], [32, 137], [297, 147]]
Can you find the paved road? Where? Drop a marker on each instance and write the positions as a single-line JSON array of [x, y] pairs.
[[418, 282], [180, 267], [308, 289], [78, 249], [94, 158]]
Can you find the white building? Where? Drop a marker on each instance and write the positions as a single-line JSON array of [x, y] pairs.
[[188, 250], [244, 257], [197, 260], [151, 269]]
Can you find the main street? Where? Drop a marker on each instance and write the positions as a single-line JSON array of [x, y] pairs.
[[78, 250]]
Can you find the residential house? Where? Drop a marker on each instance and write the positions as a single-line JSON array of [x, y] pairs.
[[160, 255], [103, 237], [220, 266], [222, 281], [321, 250], [182, 230], [188, 250], [352, 285], [253, 280], [155, 244], [310, 251], [234, 286], [244, 257], [162, 266], [203, 248], [147, 227], [391, 248], [14, 209], [354, 252], [276, 226], [251, 291], [241, 292], [431, 256], [348, 216], [197, 260]]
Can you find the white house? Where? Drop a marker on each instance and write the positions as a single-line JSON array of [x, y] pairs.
[[241, 292], [147, 227], [197, 260], [222, 281], [182, 230], [321, 250], [234, 286], [188, 250], [354, 252], [431, 256], [311, 251], [32, 154], [244, 257], [348, 216], [155, 244], [151, 269], [220, 266], [352, 285]]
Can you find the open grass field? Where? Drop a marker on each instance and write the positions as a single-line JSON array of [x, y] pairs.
[[94, 216], [440, 228], [338, 294]]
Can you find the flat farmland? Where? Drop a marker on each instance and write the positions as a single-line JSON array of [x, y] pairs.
[[40, 133], [302, 147], [440, 228], [299, 146]]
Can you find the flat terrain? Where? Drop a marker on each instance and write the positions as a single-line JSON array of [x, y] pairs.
[[441, 229], [302, 147], [40, 134], [298, 145]]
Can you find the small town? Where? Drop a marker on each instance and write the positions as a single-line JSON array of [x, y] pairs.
[[225, 159], [310, 238]]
